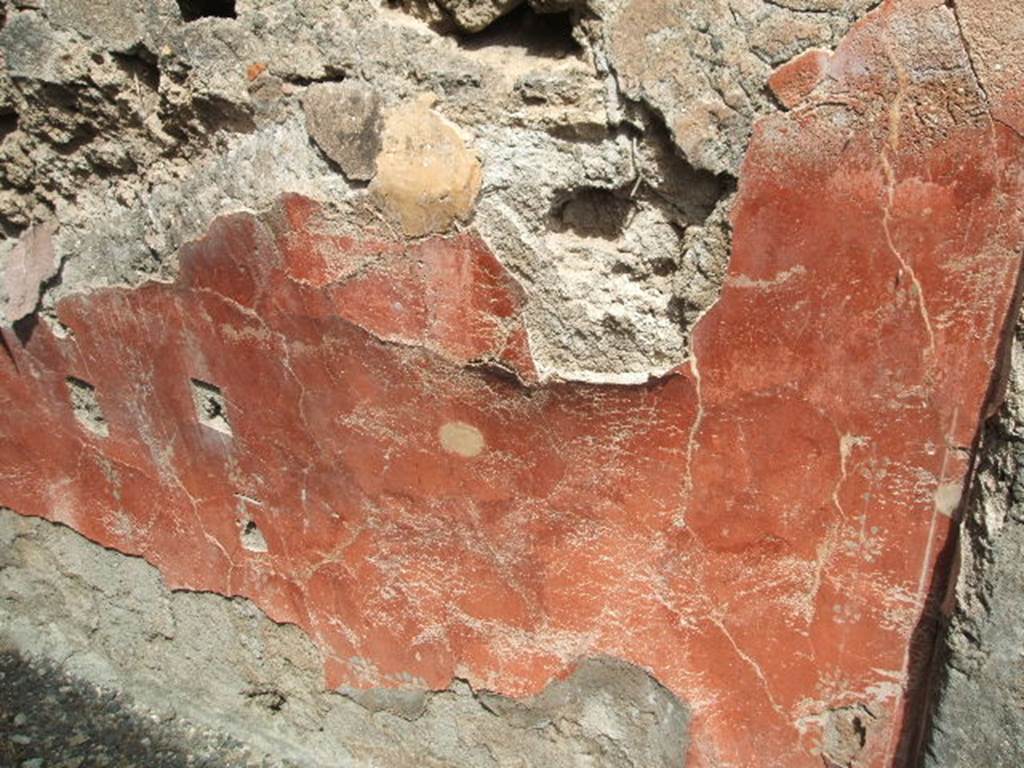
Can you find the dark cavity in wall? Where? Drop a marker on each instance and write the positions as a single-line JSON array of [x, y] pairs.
[[539, 34], [198, 9], [8, 124], [592, 212]]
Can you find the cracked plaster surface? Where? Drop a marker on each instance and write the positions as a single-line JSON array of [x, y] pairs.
[[758, 523]]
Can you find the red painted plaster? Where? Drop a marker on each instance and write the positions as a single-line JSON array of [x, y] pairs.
[[758, 528]]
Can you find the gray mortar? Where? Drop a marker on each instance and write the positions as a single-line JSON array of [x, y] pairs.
[[133, 129], [978, 719], [86, 406], [108, 619], [49, 719]]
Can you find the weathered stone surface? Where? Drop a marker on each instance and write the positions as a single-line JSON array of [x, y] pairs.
[[993, 34], [704, 64], [102, 92], [344, 120], [119, 24], [474, 15], [427, 178]]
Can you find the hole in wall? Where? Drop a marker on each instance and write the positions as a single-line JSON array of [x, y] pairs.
[[86, 406], [663, 267], [11, 229], [211, 406], [200, 9], [592, 212], [680, 310], [8, 124], [539, 34]]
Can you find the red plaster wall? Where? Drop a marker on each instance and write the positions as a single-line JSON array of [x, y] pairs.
[[759, 529]]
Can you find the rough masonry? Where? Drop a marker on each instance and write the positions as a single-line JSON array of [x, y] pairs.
[[633, 347]]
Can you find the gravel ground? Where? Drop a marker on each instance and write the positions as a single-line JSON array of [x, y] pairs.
[[49, 720]]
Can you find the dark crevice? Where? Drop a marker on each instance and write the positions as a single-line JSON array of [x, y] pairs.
[[646, 126], [211, 406], [86, 406], [548, 35], [592, 212], [8, 124], [25, 328], [665, 179], [216, 114], [59, 96], [331, 75], [252, 538], [680, 175], [191, 10], [10, 229], [84, 135], [549, 32]]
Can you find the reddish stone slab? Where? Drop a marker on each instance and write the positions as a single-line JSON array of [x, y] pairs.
[[760, 528], [31, 263]]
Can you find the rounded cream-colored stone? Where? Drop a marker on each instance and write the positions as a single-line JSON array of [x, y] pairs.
[[462, 439], [426, 175]]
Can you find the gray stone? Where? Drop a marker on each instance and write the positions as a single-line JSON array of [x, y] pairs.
[[119, 24], [703, 64], [344, 120], [475, 15]]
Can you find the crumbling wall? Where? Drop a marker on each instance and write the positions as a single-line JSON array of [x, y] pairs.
[[133, 126], [144, 126], [469, 341]]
